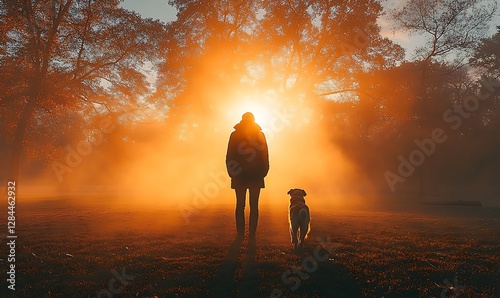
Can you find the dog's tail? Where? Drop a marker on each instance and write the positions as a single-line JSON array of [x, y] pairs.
[[304, 223], [303, 215]]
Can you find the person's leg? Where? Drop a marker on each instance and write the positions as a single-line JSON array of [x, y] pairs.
[[240, 210], [254, 209]]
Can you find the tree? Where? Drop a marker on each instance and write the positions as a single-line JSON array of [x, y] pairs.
[[73, 57], [318, 47], [452, 27], [297, 49], [487, 56], [206, 51]]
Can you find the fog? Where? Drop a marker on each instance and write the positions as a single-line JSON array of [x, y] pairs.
[[180, 160], [189, 170]]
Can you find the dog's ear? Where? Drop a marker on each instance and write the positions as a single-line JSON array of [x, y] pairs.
[[303, 192], [289, 191]]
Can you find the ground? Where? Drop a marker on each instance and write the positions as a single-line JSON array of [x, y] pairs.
[[99, 249]]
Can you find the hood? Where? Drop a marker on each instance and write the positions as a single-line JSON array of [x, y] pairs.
[[246, 125]]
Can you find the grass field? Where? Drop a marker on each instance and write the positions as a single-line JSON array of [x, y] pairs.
[[68, 249]]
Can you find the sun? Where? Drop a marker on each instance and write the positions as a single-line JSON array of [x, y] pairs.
[[260, 111], [260, 107]]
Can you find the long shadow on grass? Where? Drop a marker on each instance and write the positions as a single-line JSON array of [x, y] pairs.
[[331, 280], [320, 278], [225, 282], [249, 286]]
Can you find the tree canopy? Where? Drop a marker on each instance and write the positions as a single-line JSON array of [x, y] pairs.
[[66, 62]]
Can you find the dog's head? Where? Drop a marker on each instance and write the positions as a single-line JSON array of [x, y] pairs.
[[297, 197], [297, 192]]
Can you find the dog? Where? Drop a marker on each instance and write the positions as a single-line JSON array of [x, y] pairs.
[[298, 217]]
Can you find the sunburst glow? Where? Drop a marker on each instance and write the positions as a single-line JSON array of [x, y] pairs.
[[260, 107]]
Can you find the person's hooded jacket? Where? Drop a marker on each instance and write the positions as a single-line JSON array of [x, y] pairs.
[[247, 158]]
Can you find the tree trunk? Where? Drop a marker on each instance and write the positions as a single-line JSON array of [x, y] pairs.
[[19, 136]]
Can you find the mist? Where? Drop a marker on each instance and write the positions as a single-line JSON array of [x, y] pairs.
[[192, 171]]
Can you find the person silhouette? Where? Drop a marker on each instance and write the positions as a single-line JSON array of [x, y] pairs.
[[247, 163]]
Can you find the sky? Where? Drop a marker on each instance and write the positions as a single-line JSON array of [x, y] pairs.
[[156, 9], [159, 9]]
